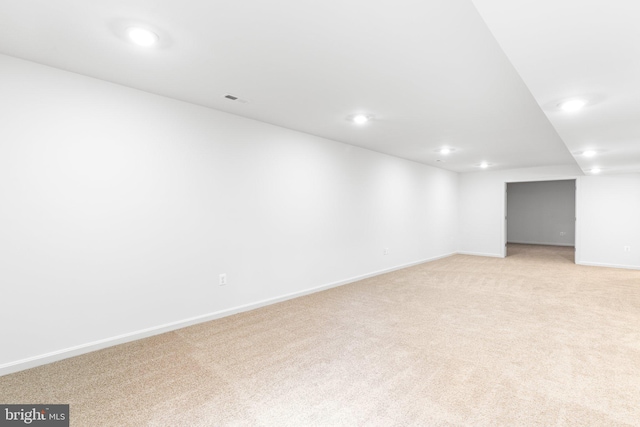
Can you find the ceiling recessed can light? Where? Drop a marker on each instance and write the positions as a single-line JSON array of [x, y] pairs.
[[589, 153], [595, 170], [484, 165], [360, 119], [142, 37], [572, 105], [444, 150]]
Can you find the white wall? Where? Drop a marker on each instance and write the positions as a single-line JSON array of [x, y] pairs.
[[607, 209], [609, 217], [482, 204], [120, 208], [541, 212]]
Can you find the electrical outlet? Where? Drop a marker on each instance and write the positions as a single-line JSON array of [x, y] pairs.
[[223, 279], [562, 233], [627, 248], [386, 251]]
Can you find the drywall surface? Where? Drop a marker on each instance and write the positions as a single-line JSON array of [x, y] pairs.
[[121, 208], [541, 212], [607, 210], [609, 220], [482, 204]]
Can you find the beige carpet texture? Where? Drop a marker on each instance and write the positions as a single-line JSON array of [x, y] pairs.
[[528, 340]]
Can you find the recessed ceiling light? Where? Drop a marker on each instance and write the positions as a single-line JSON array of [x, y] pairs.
[[589, 153], [484, 165], [594, 170], [572, 105], [444, 150], [142, 37], [360, 119]]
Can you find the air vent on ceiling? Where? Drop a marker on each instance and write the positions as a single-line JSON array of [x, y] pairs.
[[235, 98]]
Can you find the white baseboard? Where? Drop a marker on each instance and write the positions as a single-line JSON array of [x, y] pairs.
[[480, 254], [543, 243], [601, 264], [57, 355]]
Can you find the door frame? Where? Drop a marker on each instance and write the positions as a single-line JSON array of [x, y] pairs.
[[576, 230]]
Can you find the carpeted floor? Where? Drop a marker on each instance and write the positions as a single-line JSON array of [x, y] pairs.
[[528, 340]]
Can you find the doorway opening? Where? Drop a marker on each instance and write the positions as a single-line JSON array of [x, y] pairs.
[[541, 213]]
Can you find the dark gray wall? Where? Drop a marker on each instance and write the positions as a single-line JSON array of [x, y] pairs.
[[540, 212]]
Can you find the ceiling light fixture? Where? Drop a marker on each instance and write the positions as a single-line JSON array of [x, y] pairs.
[[484, 165], [589, 153], [444, 150], [142, 37], [572, 105], [360, 119], [595, 170]]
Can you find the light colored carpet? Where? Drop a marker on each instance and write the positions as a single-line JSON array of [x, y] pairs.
[[528, 340]]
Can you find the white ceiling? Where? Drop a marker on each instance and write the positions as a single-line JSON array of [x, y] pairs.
[[579, 48], [431, 72]]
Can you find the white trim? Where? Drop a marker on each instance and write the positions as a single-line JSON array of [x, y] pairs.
[[480, 254], [539, 179], [602, 264], [57, 355], [505, 198], [577, 230]]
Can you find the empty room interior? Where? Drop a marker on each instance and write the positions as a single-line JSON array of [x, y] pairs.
[[320, 213], [542, 213]]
